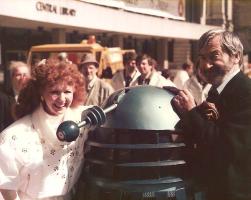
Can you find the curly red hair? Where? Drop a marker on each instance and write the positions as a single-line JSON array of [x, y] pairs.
[[48, 74]]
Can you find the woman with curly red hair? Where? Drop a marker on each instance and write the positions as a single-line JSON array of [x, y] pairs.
[[34, 164]]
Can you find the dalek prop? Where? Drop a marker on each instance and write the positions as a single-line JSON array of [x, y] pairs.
[[133, 150]]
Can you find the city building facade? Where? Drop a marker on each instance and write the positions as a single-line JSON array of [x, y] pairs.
[[167, 30]]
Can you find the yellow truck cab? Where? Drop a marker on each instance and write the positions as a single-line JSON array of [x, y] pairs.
[[107, 57]]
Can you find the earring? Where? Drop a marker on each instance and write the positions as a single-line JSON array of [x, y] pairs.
[[42, 98]]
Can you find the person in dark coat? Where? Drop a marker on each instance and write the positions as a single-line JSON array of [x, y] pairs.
[[6, 103], [220, 126]]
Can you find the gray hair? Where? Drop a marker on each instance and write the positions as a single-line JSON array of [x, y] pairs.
[[16, 64], [230, 42]]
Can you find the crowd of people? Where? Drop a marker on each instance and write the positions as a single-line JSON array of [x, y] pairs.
[[34, 164]]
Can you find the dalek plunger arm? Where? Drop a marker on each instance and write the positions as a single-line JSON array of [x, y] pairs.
[[91, 118]]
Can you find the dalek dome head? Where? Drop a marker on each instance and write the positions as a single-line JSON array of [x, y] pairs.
[[141, 108]]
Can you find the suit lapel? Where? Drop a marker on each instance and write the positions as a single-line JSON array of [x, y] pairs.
[[230, 94], [233, 85]]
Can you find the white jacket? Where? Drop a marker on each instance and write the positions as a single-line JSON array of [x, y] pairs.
[[199, 92], [180, 78], [156, 79], [34, 162], [118, 80]]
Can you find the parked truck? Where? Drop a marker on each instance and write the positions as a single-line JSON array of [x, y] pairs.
[[109, 58]]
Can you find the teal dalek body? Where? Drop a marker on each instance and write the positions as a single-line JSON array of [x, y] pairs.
[[137, 153]]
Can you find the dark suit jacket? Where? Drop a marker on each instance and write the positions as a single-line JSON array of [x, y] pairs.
[[5, 110], [224, 145]]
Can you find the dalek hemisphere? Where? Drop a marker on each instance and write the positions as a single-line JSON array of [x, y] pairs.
[[137, 153]]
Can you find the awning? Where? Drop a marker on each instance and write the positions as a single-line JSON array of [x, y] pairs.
[[83, 16]]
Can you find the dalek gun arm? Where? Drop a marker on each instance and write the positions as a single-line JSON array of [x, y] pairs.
[[91, 118]]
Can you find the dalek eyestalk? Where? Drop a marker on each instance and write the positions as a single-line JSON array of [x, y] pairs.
[[91, 118]]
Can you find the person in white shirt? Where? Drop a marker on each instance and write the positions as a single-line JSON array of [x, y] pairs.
[[197, 86], [34, 164], [149, 76], [183, 75]]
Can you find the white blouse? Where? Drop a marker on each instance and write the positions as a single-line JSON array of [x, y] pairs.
[[34, 162]]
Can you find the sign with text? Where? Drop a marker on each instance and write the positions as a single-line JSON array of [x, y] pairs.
[[52, 8]]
